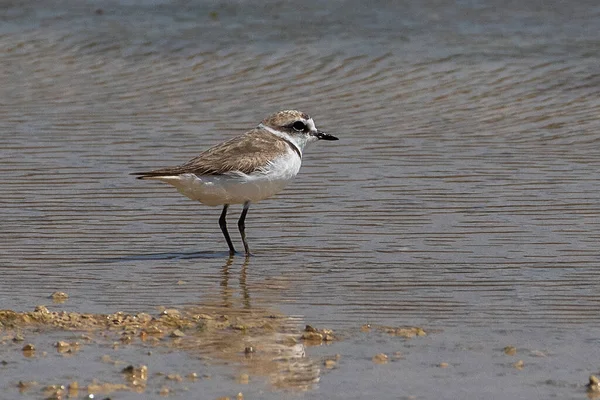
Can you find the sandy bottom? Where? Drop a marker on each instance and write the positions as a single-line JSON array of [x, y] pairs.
[[232, 352]]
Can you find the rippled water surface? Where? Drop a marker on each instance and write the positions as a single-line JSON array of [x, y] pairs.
[[462, 195]]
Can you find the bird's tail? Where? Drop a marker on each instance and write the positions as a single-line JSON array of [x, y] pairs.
[[163, 172], [142, 175]]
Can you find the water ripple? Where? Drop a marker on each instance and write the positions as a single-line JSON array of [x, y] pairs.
[[463, 189]]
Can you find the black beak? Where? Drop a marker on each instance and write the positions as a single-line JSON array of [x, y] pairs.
[[324, 136]]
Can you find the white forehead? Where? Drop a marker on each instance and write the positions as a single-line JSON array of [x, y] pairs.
[[311, 124]]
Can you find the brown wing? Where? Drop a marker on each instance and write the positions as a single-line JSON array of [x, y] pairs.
[[245, 153]]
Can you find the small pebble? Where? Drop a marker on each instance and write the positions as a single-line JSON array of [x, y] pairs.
[[28, 348], [106, 359], [312, 336], [18, 338], [174, 377], [59, 297], [164, 391], [380, 358], [61, 345], [519, 365], [192, 376], [136, 373], [126, 339], [177, 333], [41, 310], [153, 330], [244, 379], [203, 316], [593, 386], [73, 389], [510, 350], [239, 327], [26, 385]]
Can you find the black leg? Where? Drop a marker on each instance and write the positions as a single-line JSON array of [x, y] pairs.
[[223, 225], [242, 226]]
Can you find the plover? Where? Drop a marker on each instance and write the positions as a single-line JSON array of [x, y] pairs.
[[246, 169]]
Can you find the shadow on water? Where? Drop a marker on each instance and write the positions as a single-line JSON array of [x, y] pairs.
[[207, 255], [215, 275]]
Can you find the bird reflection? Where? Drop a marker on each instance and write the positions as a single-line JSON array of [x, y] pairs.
[[263, 341], [226, 291]]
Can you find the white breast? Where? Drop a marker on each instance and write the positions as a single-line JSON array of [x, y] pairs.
[[237, 187]]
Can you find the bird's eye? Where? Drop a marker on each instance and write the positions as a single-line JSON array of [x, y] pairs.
[[299, 126]]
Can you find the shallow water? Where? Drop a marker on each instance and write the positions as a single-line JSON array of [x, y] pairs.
[[462, 195]]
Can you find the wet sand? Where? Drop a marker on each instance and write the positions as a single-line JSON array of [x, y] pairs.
[[261, 345], [264, 345], [233, 352]]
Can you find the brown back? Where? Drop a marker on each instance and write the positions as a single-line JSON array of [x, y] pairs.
[[245, 153]]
